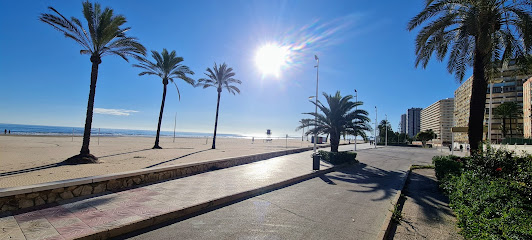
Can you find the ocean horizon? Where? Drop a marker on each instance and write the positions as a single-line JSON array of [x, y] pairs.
[[41, 130]]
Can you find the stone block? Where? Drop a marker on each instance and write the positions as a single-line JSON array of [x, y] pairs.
[[25, 203], [66, 195], [51, 197], [39, 201], [87, 190], [58, 190], [71, 188], [32, 195], [113, 184], [20, 196], [99, 188], [137, 180], [77, 191], [8, 207]]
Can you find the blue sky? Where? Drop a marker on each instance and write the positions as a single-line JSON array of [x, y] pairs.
[[361, 44]]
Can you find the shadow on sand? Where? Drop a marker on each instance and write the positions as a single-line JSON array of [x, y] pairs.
[[173, 159]]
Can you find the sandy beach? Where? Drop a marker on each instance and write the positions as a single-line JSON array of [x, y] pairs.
[[19, 155]]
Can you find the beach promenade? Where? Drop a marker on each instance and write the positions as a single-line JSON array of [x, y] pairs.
[[366, 191]]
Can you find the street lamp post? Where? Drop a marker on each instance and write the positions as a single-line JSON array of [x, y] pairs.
[[356, 108], [375, 127], [386, 131], [315, 158]]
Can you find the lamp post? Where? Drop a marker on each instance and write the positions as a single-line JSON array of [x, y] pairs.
[[356, 108], [375, 127], [386, 131], [315, 157]]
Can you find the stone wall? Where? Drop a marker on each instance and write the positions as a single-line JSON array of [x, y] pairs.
[[35, 195]]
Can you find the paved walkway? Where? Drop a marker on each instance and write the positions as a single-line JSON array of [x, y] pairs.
[[82, 217], [426, 213]]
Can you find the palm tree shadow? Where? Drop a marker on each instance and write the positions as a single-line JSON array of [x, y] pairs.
[[371, 178], [118, 154], [27, 170], [173, 159]]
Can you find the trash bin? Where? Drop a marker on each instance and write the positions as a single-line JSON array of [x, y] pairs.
[[316, 161]]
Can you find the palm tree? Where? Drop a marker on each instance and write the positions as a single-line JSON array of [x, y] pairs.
[[475, 33], [426, 135], [338, 118], [104, 36], [219, 77], [167, 66], [508, 110]]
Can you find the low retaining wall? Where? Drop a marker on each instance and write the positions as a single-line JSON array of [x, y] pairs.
[[35, 195]]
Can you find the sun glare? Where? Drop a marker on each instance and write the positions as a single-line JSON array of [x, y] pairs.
[[270, 58]]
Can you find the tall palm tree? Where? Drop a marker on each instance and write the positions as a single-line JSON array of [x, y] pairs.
[[475, 33], [337, 118], [167, 66], [220, 77], [508, 110], [104, 36]]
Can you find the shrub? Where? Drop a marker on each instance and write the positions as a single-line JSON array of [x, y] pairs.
[[490, 192], [337, 158], [447, 165]]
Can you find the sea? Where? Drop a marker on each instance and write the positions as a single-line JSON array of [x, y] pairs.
[[20, 129]]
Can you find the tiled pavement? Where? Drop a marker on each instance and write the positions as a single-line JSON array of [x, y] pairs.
[[82, 217]]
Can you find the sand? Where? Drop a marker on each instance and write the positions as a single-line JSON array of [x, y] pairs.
[[20, 155]]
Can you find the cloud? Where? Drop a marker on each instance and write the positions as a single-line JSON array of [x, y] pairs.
[[115, 112]]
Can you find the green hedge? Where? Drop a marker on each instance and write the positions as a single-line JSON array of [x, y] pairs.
[[518, 141], [491, 193], [337, 158]]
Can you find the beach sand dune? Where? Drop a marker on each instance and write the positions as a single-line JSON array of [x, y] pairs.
[[26, 160]]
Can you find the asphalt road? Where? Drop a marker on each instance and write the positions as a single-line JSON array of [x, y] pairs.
[[347, 204]]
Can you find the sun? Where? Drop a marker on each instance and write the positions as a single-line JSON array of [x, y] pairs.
[[271, 58]]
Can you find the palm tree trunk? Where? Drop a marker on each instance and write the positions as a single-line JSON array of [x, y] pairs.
[[156, 146], [216, 121], [90, 108], [504, 127], [335, 141], [478, 100]]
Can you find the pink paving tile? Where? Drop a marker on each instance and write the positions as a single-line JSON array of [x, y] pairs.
[[145, 211], [121, 212], [96, 218], [55, 238], [56, 213], [28, 216], [75, 230]]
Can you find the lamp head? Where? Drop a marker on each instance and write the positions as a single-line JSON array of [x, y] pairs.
[[355, 90], [316, 57]]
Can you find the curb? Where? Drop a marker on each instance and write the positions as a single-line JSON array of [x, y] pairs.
[[189, 211], [385, 228]]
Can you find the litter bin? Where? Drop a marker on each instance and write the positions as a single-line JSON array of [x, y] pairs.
[[316, 161]]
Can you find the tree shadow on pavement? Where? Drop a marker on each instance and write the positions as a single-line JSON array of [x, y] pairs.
[[371, 178], [424, 196]]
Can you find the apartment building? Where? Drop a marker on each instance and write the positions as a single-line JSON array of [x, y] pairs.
[[402, 124], [413, 121], [507, 85], [439, 117]]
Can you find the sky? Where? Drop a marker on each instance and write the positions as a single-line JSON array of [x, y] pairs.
[[361, 45]]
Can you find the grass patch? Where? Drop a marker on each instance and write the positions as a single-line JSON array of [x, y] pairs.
[[421, 167]]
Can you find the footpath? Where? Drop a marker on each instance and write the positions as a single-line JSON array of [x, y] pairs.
[[113, 213], [425, 210]]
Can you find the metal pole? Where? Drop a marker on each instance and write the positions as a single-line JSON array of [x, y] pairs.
[[441, 137], [72, 134], [175, 122], [286, 140], [375, 127], [316, 110], [356, 108], [490, 110], [452, 142], [386, 129], [98, 136]]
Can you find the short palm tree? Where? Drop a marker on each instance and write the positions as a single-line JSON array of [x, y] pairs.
[[220, 77], [475, 33], [508, 110], [167, 66], [104, 36], [336, 119]]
